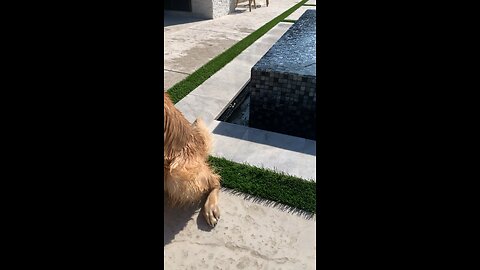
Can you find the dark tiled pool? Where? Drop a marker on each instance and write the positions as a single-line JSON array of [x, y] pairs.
[[281, 94]]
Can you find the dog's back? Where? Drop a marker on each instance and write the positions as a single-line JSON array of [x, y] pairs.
[[182, 137], [187, 175], [202, 131]]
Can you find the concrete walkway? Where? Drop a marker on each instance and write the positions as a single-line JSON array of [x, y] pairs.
[[191, 42], [250, 233], [292, 155]]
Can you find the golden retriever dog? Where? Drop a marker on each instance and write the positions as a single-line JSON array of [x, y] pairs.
[[187, 176]]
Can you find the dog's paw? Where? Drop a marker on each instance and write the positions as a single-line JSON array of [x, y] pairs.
[[211, 212]]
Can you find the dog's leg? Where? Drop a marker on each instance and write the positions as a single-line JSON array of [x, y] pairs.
[[211, 211]]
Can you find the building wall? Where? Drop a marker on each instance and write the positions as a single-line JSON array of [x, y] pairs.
[[203, 8], [180, 5]]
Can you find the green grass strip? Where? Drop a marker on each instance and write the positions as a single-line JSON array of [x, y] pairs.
[[310, 5], [187, 85], [289, 21], [267, 184]]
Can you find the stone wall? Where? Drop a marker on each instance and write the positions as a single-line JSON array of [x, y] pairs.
[[212, 9]]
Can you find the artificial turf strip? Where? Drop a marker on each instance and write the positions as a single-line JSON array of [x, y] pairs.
[[310, 5], [267, 184], [187, 85], [289, 21]]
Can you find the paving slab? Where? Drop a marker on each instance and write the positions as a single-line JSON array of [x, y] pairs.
[[292, 155], [172, 77]]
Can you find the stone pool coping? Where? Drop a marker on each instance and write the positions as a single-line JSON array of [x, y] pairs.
[[292, 155]]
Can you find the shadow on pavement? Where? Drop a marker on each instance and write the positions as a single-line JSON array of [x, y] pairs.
[[225, 129], [176, 219], [171, 17], [285, 208]]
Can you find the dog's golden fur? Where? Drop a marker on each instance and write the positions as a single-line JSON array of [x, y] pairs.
[[187, 174]]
